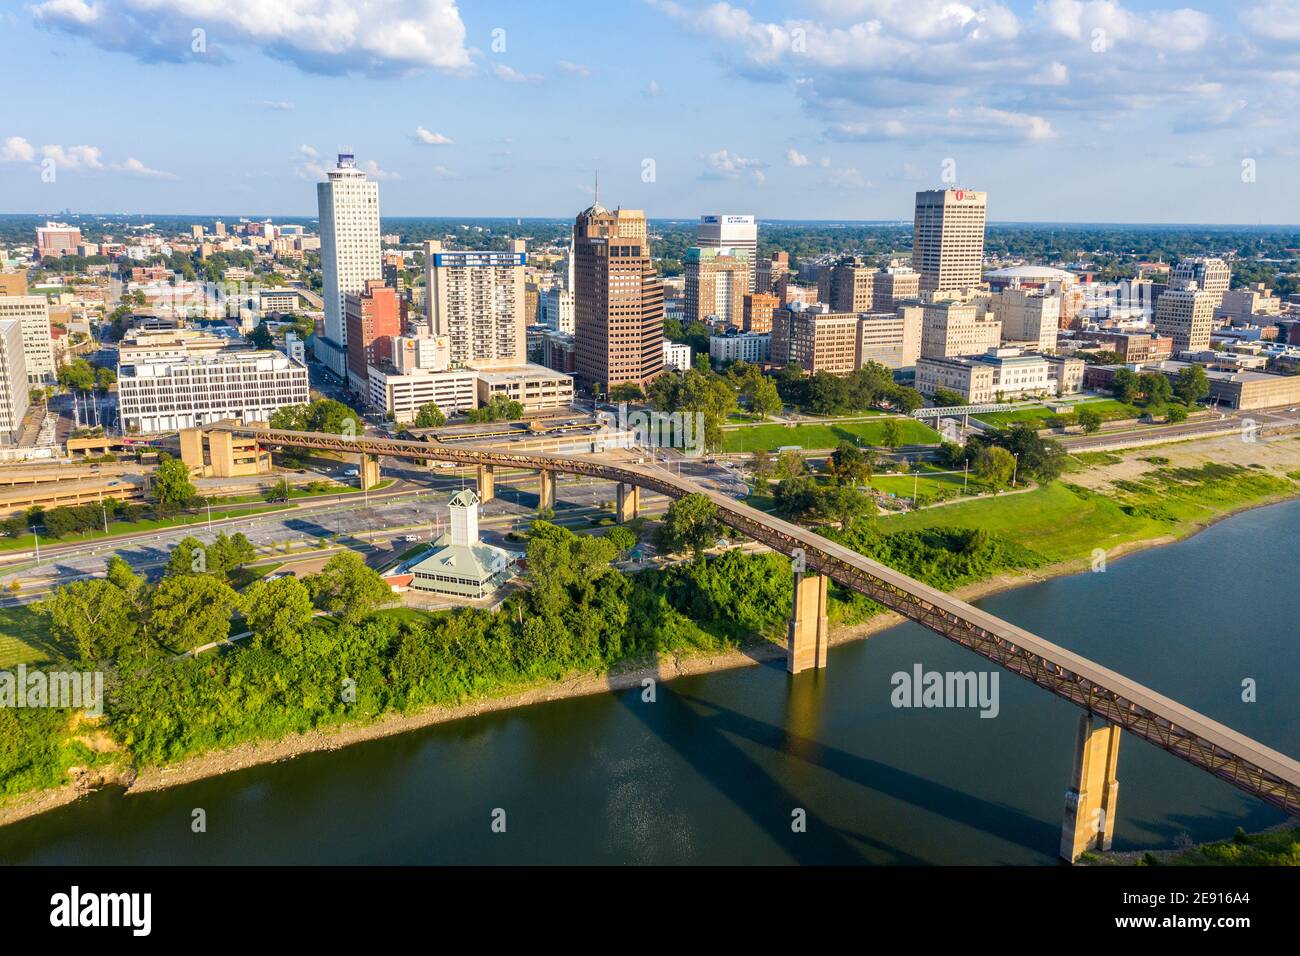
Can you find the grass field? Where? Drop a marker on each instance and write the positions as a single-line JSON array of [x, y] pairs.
[[24, 637], [1064, 522], [772, 437], [927, 484], [1109, 408]]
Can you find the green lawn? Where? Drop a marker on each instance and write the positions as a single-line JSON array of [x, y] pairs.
[[1110, 410], [1063, 522], [24, 637], [927, 484], [25, 542], [772, 437]]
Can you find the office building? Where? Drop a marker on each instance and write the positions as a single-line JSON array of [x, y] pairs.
[[948, 238], [57, 239], [891, 339], [815, 341], [375, 317], [618, 305], [170, 394], [892, 285], [1030, 318], [770, 274], [717, 281], [477, 300], [1209, 275], [728, 231], [1237, 305], [758, 309], [349, 230], [1186, 316], [13, 283], [846, 285], [951, 328], [557, 309], [1000, 375], [33, 312], [15, 389], [533, 386]]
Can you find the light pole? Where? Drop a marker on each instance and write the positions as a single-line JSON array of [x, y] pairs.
[[37, 538], [1015, 468]]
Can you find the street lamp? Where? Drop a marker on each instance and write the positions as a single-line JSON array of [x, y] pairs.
[[1015, 467]]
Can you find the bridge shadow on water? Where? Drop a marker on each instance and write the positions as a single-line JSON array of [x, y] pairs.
[[703, 733]]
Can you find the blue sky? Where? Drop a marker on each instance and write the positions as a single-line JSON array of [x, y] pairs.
[[1080, 110]]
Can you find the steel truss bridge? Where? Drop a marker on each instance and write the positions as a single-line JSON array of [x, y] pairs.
[[1240, 760]]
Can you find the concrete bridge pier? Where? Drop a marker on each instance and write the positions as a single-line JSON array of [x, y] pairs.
[[809, 631], [629, 503], [369, 470], [487, 483], [546, 498], [1090, 801]]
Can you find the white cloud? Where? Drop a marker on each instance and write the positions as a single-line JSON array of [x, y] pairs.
[[17, 150], [429, 138], [653, 89], [326, 36], [1273, 20], [985, 122], [1054, 74], [861, 132], [511, 75], [725, 164], [134, 167], [795, 158], [74, 157], [280, 106], [577, 69]]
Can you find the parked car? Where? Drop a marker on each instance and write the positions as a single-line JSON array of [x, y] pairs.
[[351, 473]]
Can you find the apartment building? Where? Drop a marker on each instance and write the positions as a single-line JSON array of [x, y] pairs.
[[15, 389], [477, 300], [758, 309], [375, 318], [891, 339], [1186, 316], [737, 346], [815, 341], [846, 285], [953, 328], [892, 285], [33, 314], [1030, 318], [717, 281]]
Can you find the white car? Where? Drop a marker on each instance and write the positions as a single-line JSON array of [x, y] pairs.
[[351, 473], [411, 537]]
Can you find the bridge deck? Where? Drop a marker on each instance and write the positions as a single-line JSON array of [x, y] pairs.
[[1232, 756]]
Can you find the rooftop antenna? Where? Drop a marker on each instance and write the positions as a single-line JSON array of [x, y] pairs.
[[596, 199]]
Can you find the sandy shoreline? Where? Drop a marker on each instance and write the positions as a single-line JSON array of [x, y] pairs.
[[248, 755]]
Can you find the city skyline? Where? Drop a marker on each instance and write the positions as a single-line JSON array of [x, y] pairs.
[[836, 110]]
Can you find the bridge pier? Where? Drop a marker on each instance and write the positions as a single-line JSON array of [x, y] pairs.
[[629, 503], [369, 470], [546, 498], [809, 631], [1090, 801], [487, 483]]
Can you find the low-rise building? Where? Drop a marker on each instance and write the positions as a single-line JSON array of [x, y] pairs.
[[533, 386], [677, 355], [736, 346], [1001, 374], [402, 393]]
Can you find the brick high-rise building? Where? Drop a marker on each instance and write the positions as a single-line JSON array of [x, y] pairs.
[[57, 239], [948, 238], [758, 312], [892, 285], [816, 341], [717, 281], [375, 317], [846, 285], [729, 231], [1209, 275], [618, 306]]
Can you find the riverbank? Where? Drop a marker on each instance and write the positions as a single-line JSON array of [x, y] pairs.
[[629, 675]]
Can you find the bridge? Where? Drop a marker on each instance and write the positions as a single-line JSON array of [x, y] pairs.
[[1110, 701]]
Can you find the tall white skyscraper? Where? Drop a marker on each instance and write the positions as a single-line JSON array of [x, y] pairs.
[[33, 312], [349, 251], [728, 230], [948, 238]]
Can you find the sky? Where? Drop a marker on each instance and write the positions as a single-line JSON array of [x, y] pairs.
[[1063, 110]]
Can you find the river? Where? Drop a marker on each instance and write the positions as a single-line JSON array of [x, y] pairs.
[[718, 767]]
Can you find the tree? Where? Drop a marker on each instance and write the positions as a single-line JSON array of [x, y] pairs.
[[192, 610], [1124, 385], [850, 465], [278, 612], [171, 483], [843, 504], [790, 464], [430, 416], [1175, 413], [77, 374], [1041, 458], [764, 399], [946, 398], [760, 465], [1191, 384], [994, 465], [690, 524], [621, 538], [1088, 418], [1155, 388], [891, 434], [94, 616], [190, 556], [626, 392], [796, 496], [229, 553], [347, 588], [105, 377], [282, 490], [260, 337]]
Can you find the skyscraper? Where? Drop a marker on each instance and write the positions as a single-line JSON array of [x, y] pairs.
[[717, 280], [349, 252], [846, 285], [730, 231], [1207, 274], [477, 300], [948, 238], [33, 313], [618, 306], [1186, 315], [374, 318]]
